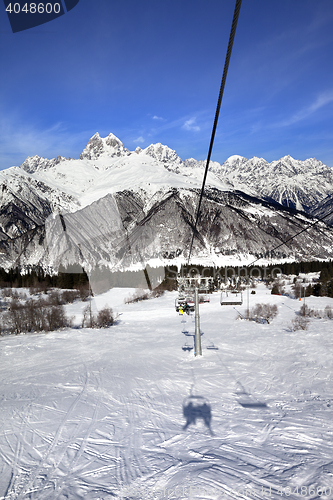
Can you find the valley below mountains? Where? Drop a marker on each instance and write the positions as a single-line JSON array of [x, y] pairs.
[[122, 210]]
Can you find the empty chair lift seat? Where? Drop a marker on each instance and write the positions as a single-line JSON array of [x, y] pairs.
[[231, 298]]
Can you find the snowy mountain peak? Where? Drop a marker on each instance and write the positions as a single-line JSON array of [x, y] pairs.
[[288, 181], [162, 153], [236, 159], [257, 160], [167, 156], [37, 163], [98, 147], [287, 158]]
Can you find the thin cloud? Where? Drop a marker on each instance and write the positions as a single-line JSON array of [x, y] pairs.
[[191, 125], [19, 140], [179, 123], [321, 101], [139, 140], [158, 118]]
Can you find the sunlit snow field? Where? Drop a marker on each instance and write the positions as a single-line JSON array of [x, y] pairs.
[[98, 414]]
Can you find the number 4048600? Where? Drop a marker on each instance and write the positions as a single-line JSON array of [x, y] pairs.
[[34, 8]]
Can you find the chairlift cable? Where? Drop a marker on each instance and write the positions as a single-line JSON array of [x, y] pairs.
[[224, 77], [225, 71], [292, 237]]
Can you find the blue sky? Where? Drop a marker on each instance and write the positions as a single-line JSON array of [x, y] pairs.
[[149, 71]]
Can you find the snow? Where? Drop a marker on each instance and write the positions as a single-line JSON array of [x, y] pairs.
[[98, 414], [235, 158], [106, 166], [90, 180]]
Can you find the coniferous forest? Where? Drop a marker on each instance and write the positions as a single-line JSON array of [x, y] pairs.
[[37, 278]]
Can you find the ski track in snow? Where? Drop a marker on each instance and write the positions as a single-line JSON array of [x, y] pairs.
[[99, 414]]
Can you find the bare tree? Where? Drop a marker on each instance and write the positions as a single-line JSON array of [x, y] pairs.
[[264, 312], [35, 316], [329, 312], [105, 318], [299, 323], [55, 317]]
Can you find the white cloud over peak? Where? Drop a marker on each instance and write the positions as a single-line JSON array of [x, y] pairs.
[[139, 140]]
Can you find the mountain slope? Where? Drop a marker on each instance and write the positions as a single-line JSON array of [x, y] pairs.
[[105, 165], [122, 209], [127, 231], [324, 209], [25, 202], [292, 183]]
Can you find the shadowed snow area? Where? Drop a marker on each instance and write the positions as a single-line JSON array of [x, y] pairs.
[[124, 412]]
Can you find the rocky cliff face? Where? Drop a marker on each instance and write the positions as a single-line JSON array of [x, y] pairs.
[[292, 183], [324, 210], [122, 232]]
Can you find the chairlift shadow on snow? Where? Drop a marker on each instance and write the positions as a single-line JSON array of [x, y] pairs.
[[247, 400], [212, 347], [187, 333], [197, 407]]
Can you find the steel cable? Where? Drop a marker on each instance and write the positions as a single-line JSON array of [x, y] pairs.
[[224, 77], [292, 237]]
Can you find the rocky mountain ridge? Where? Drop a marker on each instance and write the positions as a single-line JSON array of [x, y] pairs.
[[290, 182], [121, 209]]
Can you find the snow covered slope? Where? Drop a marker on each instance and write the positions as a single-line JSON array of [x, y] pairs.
[[101, 414]]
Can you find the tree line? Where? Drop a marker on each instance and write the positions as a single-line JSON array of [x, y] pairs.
[[36, 277]]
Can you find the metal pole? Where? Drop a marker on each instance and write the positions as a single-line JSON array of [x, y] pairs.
[[248, 301], [197, 336], [90, 302]]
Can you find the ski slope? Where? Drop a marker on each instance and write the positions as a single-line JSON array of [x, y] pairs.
[[98, 414]]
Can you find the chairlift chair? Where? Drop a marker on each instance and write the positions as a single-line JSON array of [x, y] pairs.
[[231, 298]]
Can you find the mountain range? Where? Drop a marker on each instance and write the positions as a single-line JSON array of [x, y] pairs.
[[123, 209]]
